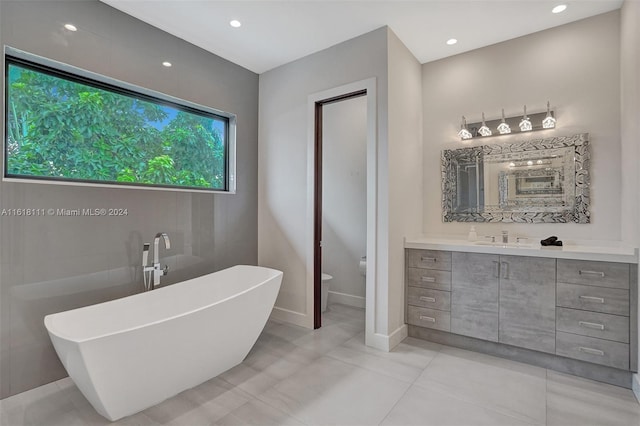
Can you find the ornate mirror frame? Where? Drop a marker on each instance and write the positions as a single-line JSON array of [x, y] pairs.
[[579, 176]]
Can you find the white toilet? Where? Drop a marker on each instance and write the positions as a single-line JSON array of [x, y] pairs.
[[324, 292]]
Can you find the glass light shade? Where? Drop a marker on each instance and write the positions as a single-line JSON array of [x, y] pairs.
[[484, 130], [525, 124], [503, 127], [549, 121], [464, 133]]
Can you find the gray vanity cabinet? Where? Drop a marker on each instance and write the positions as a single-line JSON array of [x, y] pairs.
[[575, 309], [428, 289], [474, 295], [527, 302]]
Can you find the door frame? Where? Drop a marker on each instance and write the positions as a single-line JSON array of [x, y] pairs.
[[317, 196], [314, 197]]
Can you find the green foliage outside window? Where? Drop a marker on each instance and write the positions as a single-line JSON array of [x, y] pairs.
[[59, 128]]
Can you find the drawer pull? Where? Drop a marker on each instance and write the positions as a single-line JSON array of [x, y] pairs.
[[600, 274], [496, 269], [424, 318], [591, 325], [428, 259], [429, 279], [427, 299], [592, 299], [591, 351], [504, 269]]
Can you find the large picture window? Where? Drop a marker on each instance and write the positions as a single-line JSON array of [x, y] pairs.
[[68, 125]]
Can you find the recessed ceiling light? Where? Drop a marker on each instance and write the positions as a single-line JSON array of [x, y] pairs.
[[559, 8], [166, 64], [70, 27], [452, 41], [235, 23]]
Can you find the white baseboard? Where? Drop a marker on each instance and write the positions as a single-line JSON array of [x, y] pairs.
[[293, 317], [384, 342], [398, 336], [635, 385], [346, 299]]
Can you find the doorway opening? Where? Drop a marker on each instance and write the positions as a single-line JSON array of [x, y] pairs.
[[359, 171]]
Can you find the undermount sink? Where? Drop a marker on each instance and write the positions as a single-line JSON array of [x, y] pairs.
[[506, 245]]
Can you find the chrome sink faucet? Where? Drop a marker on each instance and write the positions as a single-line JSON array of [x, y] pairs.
[[155, 269]]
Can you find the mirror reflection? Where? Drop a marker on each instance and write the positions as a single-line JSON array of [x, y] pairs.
[[539, 181]]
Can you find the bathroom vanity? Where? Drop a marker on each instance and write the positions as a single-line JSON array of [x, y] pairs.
[[572, 309]]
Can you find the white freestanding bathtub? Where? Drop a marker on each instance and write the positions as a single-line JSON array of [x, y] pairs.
[[131, 353]]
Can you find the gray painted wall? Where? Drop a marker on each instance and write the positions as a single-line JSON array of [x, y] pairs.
[[630, 126], [575, 66], [283, 155], [50, 264]]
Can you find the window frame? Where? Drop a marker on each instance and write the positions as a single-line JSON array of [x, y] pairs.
[[82, 76]]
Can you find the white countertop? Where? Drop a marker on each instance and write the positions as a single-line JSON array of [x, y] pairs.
[[530, 248]]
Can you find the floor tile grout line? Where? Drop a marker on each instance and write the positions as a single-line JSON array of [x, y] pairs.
[[396, 403], [281, 410], [520, 417], [410, 386], [392, 376], [546, 396]]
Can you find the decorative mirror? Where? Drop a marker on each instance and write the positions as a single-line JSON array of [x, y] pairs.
[[536, 181]]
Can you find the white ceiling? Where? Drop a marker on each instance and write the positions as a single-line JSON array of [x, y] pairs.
[[277, 32]]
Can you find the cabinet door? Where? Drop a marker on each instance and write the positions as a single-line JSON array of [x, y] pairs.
[[527, 302], [474, 295]]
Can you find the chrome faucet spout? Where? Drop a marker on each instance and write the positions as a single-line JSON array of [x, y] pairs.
[[156, 243], [155, 270]]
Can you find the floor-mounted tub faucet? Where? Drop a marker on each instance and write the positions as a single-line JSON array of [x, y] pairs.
[[155, 269]]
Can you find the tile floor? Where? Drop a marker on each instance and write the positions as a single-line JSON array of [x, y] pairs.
[[295, 376]]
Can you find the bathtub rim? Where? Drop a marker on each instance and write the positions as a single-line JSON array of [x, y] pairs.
[[51, 329]]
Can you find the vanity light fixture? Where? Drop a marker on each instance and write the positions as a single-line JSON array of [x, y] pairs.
[[525, 125], [503, 127], [484, 130], [71, 27], [464, 133], [549, 121]]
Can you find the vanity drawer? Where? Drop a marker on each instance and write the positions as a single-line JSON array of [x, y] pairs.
[[429, 278], [430, 318], [428, 298], [593, 324], [429, 259], [602, 274], [594, 350], [589, 298]]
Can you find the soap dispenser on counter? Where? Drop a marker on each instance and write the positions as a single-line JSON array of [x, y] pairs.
[[473, 236]]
